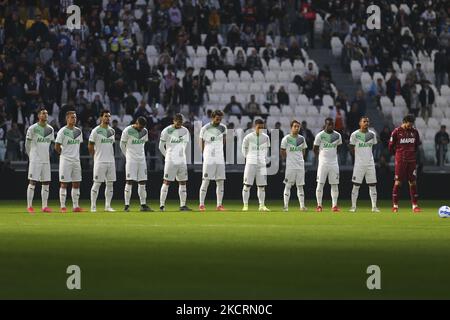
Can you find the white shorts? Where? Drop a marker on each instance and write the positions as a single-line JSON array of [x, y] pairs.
[[69, 171], [361, 172], [328, 171], [136, 171], [253, 171], [214, 171], [104, 172], [176, 171], [39, 172], [295, 176]]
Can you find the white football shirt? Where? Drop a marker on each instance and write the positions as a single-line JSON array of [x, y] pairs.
[[255, 148], [213, 138], [41, 138], [135, 141], [328, 144], [70, 140], [176, 141], [363, 143], [103, 139], [294, 146]]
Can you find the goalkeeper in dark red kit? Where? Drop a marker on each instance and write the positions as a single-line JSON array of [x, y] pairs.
[[404, 143]]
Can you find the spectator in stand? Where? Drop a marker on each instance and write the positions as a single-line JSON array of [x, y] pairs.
[[353, 117], [393, 86], [310, 15], [441, 141], [233, 107], [441, 65], [309, 137], [173, 97], [213, 62], [233, 36], [361, 103], [254, 62], [282, 96], [417, 75], [239, 62], [207, 117], [268, 53], [225, 60], [252, 109], [13, 138], [195, 97], [426, 98], [271, 97], [282, 52], [370, 63], [377, 90], [130, 103], [295, 52]]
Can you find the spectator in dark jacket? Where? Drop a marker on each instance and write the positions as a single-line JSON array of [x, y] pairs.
[[426, 98]]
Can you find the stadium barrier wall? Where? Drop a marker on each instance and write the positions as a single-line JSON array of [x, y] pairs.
[[13, 186]]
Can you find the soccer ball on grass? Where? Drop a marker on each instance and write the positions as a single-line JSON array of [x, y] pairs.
[[444, 212]]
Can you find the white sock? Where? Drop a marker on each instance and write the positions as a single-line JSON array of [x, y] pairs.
[[319, 194], [62, 197], [220, 190], [245, 194], [355, 193], [373, 195], [30, 195], [109, 189], [203, 190], [142, 192], [45, 189], [94, 193], [127, 193], [301, 196], [163, 194], [287, 194], [182, 192], [262, 195], [75, 197], [334, 194]]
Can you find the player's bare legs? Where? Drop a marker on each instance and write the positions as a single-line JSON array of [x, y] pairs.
[[163, 195], [63, 196], [75, 194], [30, 196], [182, 193]]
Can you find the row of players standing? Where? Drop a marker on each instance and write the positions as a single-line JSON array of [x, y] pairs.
[[173, 141]]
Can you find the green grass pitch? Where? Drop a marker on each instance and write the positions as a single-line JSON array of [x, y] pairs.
[[232, 255]]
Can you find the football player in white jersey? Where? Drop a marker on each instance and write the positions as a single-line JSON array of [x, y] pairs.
[[101, 147], [132, 144], [361, 144], [67, 145], [212, 140], [255, 147], [37, 144], [325, 147], [172, 144], [293, 148]]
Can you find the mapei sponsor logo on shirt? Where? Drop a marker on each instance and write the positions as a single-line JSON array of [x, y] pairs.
[[295, 149], [43, 140], [73, 141], [329, 145], [365, 145], [176, 140], [107, 140], [137, 141], [407, 140]]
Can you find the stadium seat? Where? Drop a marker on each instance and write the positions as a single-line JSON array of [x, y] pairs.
[[292, 88], [274, 65], [274, 111], [201, 52], [219, 75], [420, 123], [242, 87], [270, 76], [366, 81], [286, 65], [217, 86], [385, 101], [406, 67], [399, 101], [356, 70], [327, 100], [233, 76], [246, 76], [284, 77], [303, 100], [433, 123], [258, 76], [299, 66], [336, 46], [287, 111], [255, 88]]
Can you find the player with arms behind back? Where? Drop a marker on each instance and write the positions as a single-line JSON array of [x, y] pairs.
[[293, 148], [67, 145], [173, 142], [404, 143], [37, 144], [101, 146], [132, 144], [212, 140], [325, 147], [255, 147], [361, 144]]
